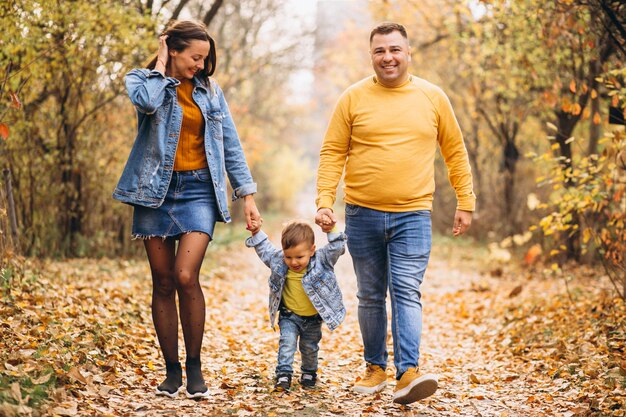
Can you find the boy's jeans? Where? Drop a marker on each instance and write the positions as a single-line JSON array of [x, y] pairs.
[[292, 328], [389, 250]]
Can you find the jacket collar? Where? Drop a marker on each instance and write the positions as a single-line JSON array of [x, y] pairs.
[[198, 84]]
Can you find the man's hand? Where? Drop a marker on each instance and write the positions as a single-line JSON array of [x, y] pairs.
[[462, 222], [326, 219]]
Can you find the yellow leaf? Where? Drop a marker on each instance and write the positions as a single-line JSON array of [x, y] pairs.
[[597, 118], [552, 126], [15, 101], [151, 366], [75, 374], [474, 379], [586, 113], [594, 93], [16, 392], [42, 379], [4, 131]]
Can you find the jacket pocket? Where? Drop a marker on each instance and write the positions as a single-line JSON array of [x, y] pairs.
[[325, 285], [216, 125], [162, 110]]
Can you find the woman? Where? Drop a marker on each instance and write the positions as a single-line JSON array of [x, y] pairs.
[[175, 179]]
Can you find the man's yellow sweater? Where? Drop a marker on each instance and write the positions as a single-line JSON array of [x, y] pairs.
[[387, 139]]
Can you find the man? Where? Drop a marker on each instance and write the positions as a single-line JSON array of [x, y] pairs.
[[385, 131]]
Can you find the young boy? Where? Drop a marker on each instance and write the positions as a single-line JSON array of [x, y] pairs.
[[304, 291]]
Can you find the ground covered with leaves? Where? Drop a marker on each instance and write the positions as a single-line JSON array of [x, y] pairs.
[[76, 339]]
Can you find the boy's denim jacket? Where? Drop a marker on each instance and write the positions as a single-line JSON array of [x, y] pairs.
[[149, 168], [319, 281]]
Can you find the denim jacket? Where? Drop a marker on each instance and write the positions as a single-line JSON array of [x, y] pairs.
[[148, 171], [319, 281]]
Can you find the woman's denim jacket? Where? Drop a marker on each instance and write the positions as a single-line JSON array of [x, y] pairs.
[[319, 281], [149, 168]]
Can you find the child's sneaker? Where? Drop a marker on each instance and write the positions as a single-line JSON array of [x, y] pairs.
[[283, 382], [308, 380]]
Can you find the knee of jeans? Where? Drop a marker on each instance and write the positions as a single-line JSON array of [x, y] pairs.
[[410, 296], [288, 339], [371, 299]]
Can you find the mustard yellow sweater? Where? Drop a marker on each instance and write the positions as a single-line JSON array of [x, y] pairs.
[[190, 151], [386, 138]]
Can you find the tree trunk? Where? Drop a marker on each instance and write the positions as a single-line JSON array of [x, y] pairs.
[[566, 124], [510, 156]]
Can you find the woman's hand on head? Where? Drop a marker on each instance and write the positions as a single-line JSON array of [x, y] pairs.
[[163, 53]]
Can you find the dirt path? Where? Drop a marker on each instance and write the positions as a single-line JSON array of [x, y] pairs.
[[239, 354]]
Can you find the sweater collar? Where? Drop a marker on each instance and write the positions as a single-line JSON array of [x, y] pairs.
[[404, 84]]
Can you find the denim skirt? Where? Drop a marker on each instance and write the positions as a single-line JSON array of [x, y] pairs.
[[190, 206]]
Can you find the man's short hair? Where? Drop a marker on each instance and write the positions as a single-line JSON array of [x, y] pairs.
[[386, 28], [296, 232]]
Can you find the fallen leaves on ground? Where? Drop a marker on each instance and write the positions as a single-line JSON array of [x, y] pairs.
[[76, 338]]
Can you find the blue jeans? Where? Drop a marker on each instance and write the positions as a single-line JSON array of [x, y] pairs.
[[389, 251], [294, 327]]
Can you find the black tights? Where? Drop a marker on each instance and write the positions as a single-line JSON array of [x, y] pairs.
[[177, 271]]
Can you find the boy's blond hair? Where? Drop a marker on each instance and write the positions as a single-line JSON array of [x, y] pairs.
[[296, 232]]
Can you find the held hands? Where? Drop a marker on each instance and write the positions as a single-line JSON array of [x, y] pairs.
[[326, 219], [462, 222], [255, 226], [253, 217]]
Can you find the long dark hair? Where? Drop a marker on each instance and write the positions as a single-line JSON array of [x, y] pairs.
[[180, 33]]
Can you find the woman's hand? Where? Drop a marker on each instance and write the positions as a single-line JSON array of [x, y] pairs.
[[162, 55], [253, 217]]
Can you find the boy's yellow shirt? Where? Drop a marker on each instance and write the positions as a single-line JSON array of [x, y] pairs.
[[294, 297]]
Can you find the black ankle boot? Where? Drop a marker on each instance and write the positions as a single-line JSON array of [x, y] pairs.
[[173, 380], [195, 382]]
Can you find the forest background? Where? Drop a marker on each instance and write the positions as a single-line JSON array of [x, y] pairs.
[[532, 84], [538, 88]]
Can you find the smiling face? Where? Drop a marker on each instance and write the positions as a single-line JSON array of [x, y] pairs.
[[390, 58], [297, 257], [185, 63]]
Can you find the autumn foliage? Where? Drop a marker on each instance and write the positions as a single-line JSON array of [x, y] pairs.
[[528, 319]]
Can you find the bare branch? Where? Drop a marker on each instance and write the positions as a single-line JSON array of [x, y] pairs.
[[179, 9], [208, 17]]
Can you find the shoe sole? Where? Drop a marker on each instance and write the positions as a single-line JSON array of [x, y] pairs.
[[421, 388], [370, 390], [158, 392], [197, 395]]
